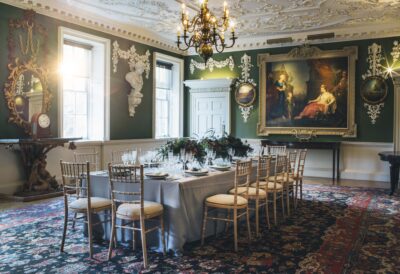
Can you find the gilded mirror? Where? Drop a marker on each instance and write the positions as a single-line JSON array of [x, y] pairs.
[[26, 90], [26, 93]]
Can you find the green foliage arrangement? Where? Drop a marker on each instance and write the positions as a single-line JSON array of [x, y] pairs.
[[222, 144], [219, 145], [190, 145]]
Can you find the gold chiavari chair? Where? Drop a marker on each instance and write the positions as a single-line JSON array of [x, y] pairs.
[[263, 171], [273, 184], [235, 202], [76, 184], [130, 206], [254, 193], [94, 162], [298, 175], [288, 181], [91, 157]]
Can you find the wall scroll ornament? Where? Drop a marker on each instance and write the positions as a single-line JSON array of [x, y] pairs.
[[373, 111], [245, 92], [138, 64], [375, 70], [211, 64], [396, 51], [303, 135]]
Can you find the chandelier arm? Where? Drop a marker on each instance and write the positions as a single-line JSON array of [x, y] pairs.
[[219, 47], [191, 27], [188, 44], [233, 38]]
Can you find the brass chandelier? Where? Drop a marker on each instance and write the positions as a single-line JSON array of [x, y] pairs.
[[205, 32]]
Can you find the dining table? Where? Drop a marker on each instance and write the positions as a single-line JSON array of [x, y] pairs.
[[182, 198]]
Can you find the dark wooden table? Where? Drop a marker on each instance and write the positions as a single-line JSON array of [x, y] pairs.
[[33, 153], [393, 157], [334, 146]]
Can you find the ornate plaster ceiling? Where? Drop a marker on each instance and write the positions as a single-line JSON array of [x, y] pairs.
[[256, 20]]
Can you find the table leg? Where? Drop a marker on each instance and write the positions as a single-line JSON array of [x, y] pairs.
[[394, 177], [338, 164]]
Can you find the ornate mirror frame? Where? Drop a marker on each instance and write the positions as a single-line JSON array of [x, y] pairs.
[[27, 42], [11, 86], [251, 99], [365, 88]]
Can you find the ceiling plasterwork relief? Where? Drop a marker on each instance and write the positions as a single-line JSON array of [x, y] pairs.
[[254, 17], [256, 20]]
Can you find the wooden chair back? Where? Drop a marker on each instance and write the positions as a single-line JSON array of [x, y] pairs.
[[301, 163], [91, 157], [116, 156], [280, 166], [274, 150], [292, 160], [73, 175], [126, 174], [242, 173], [263, 168]]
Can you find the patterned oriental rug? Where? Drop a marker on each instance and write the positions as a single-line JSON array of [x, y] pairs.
[[335, 230]]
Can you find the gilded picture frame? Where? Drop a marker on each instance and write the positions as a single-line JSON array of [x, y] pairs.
[[308, 90]]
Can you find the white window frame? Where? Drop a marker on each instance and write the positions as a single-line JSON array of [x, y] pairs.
[[62, 31], [174, 61]]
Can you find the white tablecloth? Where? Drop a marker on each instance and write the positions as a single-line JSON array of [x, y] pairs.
[[182, 199]]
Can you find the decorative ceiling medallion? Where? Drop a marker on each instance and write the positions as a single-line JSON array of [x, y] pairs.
[[137, 65], [211, 64], [375, 68], [246, 65]]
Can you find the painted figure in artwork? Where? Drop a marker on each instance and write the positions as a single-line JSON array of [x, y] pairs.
[[135, 79], [280, 86], [324, 104]]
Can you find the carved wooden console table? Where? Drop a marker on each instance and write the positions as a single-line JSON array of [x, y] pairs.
[[33, 153], [334, 146]]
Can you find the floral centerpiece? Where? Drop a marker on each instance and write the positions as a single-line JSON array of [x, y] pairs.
[[189, 145], [222, 145]]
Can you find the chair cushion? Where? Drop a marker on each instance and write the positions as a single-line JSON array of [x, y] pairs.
[[133, 210], [226, 199], [297, 177], [95, 202], [268, 186], [281, 177], [252, 191]]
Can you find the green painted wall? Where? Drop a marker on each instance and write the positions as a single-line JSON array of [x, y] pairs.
[[382, 131], [121, 125]]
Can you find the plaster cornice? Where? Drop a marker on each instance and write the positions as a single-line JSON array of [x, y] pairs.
[[125, 31]]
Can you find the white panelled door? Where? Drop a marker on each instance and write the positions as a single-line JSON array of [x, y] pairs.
[[209, 110], [209, 106]]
